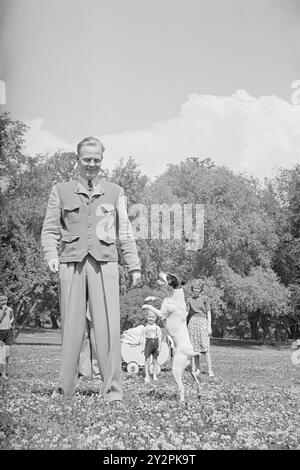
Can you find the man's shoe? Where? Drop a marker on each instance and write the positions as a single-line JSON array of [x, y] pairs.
[[57, 394]]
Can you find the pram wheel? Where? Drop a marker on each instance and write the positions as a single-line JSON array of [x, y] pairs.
[[132, 368]]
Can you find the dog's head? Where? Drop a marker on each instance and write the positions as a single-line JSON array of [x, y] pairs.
[[169, 280]]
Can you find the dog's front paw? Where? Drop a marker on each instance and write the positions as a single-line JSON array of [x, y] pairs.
[[150, 299], [145, 307]]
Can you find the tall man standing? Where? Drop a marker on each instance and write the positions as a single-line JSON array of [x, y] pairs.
[[82, 221]]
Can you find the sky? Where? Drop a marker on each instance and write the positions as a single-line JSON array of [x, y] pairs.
[[159, 80]]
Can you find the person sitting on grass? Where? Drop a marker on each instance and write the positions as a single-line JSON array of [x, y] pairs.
[[6, 335], [151, 344]]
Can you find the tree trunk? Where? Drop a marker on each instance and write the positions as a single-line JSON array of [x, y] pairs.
[[265, 326], [253, 320], [53, 321], [27, 316], [18, 311]]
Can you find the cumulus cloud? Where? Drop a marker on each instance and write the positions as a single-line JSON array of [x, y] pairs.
[[246, 134], [41, 140]]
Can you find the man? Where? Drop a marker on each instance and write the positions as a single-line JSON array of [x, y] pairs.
[[6, 335], [79, 233]]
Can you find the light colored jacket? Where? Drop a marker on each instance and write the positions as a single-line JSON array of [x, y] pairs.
[[78, 223]]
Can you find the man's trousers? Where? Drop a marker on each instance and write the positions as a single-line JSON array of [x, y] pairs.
[[88, 363], [98, 283]]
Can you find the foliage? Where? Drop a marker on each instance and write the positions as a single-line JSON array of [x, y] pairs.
[[12, 134], [253, 229], [260, 295], [130, 178]]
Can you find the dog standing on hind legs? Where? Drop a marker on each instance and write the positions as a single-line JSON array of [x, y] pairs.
[[173, 314]]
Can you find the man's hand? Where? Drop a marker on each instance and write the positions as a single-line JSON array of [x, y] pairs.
[[53, 265], [136, 278]]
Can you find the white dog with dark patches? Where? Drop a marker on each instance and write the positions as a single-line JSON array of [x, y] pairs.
[[173, 313]]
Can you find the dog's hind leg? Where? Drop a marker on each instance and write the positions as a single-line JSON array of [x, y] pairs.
[[179, 364]]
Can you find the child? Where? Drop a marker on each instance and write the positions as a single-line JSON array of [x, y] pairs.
[[199, 327], [151, 344], [6, 335]]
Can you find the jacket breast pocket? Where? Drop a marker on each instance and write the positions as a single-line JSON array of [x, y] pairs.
[[106, 227], [71, 212], [69, 238]]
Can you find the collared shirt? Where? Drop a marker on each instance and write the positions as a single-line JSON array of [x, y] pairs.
[[152, 331]]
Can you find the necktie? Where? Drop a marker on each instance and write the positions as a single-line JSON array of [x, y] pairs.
[[90, 185]]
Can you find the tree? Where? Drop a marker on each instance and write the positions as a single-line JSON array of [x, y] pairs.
[[237, 226], [130, 178], [259, 295], [12, 134]]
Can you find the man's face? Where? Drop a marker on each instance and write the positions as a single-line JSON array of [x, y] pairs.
[[89, 161]]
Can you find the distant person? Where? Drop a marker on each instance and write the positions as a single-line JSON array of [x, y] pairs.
[[6, 335], [152, 340], [199, 326], [83, 221]]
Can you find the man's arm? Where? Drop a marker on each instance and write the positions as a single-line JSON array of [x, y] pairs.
[[50, 236], [127, 241]]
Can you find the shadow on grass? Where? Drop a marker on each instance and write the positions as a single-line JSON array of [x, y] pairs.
[[88, 393], [161, 395], [42, 391], [48, 392], [32, 330], [249, 344], [41, 337]]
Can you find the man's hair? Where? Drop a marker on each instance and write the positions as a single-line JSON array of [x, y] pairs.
[[90, 141]]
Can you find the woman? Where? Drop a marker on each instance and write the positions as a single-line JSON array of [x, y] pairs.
[[199, 326]]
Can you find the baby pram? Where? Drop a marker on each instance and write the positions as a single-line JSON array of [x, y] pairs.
[[131, 350]]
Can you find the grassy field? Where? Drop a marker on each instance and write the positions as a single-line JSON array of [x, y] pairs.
[[253, 403]]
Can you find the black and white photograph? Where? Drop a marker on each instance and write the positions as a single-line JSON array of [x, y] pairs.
[[149, 228]]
